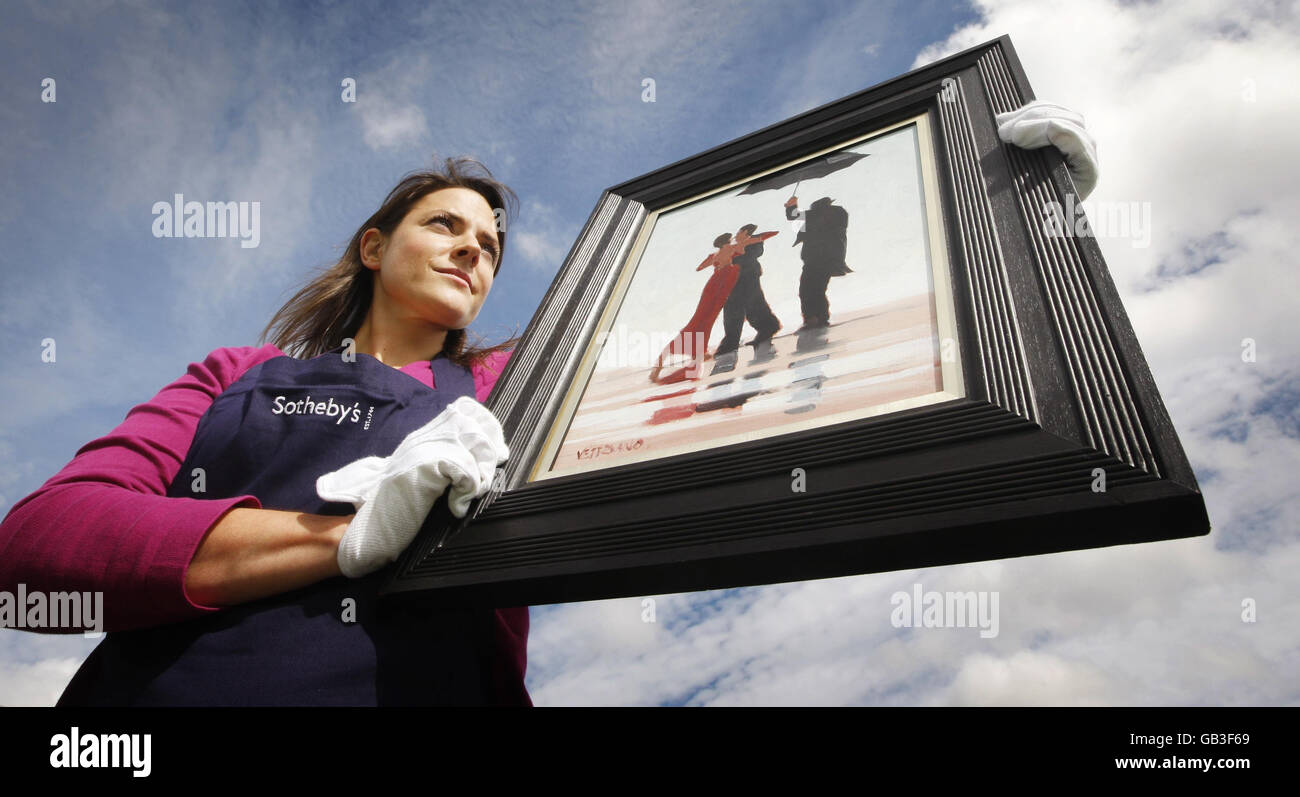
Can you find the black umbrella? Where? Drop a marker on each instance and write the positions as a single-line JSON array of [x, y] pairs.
[[808, 170]]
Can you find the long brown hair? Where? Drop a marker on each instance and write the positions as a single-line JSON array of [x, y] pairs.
[[332, 305]]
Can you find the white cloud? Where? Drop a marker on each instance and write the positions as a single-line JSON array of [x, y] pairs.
[[389, 102], [1028, 678], [540, 250], [37, 683], [389, 125], [542, 239]]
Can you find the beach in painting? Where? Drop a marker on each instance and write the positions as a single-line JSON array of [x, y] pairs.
[[863, 364]]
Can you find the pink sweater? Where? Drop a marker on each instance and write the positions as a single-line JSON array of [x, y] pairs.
[[105, 524]]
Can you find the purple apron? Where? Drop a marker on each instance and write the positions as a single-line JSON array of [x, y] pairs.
[[271, 434]]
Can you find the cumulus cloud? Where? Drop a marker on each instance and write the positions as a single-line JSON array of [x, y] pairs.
[[543, 239], [395, 126], [37, 683]]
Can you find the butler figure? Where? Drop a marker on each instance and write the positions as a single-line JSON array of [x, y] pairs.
[[825, 238]]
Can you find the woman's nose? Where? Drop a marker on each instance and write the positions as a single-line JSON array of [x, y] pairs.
[[468, 249]]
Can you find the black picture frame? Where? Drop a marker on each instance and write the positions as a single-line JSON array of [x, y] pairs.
[[1057, 399]]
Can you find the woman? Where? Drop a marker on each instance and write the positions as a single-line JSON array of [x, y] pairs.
[[693, 340], [228, 578]]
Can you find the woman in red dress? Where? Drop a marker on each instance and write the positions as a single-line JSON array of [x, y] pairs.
[[693, 340]]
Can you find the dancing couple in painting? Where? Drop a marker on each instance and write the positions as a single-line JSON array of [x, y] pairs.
[[735, 291]]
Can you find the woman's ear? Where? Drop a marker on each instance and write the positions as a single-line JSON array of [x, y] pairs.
[[372, 248]]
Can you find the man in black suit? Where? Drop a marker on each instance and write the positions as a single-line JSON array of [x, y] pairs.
[[747, 301], [825, 240]]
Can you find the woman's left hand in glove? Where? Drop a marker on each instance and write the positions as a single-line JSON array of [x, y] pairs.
[[461, 447], [1039, 124]]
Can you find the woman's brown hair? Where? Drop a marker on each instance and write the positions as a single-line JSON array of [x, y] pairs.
[[332, 305]]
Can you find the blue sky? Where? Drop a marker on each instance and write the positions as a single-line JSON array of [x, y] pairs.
[[229, 101]]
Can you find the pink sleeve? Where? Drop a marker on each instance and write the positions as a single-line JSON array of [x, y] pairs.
[[104, 523], [487, 372]]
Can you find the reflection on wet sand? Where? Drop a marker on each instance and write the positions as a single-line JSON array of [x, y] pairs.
[[882, 354]]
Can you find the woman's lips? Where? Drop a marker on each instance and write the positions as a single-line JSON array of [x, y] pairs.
[[457, 276]]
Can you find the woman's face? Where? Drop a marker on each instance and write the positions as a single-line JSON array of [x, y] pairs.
[[437, 264]]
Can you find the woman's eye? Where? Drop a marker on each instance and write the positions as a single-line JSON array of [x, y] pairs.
[[446, 221]]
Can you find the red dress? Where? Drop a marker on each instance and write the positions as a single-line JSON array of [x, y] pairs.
[[693, 340]]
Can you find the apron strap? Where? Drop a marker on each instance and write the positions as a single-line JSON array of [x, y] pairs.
[[451, 379]]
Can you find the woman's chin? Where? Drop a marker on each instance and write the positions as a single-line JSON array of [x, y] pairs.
[[453, 320], [451, 314]]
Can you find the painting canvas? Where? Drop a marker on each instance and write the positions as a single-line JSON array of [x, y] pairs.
[[810, 294]]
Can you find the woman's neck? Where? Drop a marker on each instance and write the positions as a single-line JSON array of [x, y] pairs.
[[399, 344]]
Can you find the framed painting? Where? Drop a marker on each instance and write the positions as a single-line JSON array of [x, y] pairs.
[[846, 343]]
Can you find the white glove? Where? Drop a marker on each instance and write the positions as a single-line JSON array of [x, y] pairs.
[[393, 495], [1041, 123]]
